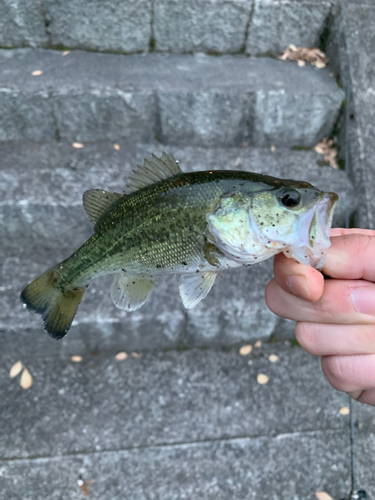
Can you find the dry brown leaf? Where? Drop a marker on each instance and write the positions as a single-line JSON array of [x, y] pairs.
[[116, 147], [37, 72], [273, 358], [16, 369], [76, 359], [302, 54], [322, 495], [120, 356], [325, 148], [84, 486], [344, 410], [245, 349], [258, 343], [78, 145], [26, 380], [262, 378]]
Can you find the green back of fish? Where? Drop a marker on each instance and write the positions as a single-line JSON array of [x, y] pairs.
[[162, 226]]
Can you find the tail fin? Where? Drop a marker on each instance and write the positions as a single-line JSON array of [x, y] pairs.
[[56, 304]]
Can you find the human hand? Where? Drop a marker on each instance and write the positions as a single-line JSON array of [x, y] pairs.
[[335, 317]]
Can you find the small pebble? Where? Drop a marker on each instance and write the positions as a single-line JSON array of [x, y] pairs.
[[120, 356], [301, 63], [344, 410], [78, 145], [136, 355], [273, 149], [76, 359], [65, 53], [262, 378], [258, 343], [37, 72], [116, 147], [245, 350], [273, 358]]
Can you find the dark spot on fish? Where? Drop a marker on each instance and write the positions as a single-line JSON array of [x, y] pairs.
[[133, 282], [197, 271], [261, 223], [124, 270], [158, 266], [184, 263]]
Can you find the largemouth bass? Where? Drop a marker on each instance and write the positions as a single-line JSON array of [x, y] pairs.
[[195, 224]]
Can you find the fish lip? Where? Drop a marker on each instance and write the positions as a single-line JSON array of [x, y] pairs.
[[314, 232]]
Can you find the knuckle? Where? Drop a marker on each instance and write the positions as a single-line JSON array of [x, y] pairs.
[[335, 372], [307, 337]]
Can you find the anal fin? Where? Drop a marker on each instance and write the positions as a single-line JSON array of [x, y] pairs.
[[194, 288], [130, 292]]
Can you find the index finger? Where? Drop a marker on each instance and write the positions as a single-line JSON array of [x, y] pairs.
[[351, 256]]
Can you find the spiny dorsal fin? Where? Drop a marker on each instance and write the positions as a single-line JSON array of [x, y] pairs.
[[97, 201], [152, 171]]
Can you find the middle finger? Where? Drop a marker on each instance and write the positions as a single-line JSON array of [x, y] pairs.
[[343, 301]]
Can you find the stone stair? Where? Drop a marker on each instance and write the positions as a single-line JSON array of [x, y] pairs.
[[87, 90]]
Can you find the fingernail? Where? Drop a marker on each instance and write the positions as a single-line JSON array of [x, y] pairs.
[[364, 299], [298, 285]]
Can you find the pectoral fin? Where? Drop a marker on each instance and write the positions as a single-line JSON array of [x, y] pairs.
[[130, 292], [195, 287]]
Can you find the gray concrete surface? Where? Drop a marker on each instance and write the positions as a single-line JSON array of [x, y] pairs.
[[22, 24], [212, 26], [351, 46], [115, 26], [193, 424], [182, 100], [42, 221], [275, 25]]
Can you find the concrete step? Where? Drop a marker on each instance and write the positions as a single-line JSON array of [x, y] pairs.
[[192, 424], [230, 26], [42, 221], [180, 100]]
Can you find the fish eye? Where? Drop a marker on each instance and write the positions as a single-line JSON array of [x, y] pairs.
[[290, 199]]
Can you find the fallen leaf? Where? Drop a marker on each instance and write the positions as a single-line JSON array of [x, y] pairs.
[[245, 349], [262, 378], [116, 147], [26, 380], [120, 356], [258, 343], [302, 54], [16, 369], [273, 358], [322, 495], [78, 145], [65, 53], [76, 359], [325, 148], [136, 355], [84, 486], [37, 72], [344, 410]]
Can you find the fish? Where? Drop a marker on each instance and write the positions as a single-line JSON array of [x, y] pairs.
[[195, 224]]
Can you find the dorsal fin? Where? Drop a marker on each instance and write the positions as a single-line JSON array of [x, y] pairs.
[[152, 171], [97, 201]]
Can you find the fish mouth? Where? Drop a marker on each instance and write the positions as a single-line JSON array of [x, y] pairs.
[[314, 228]]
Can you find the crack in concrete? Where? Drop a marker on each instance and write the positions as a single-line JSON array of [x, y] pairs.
[[176, 444]]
